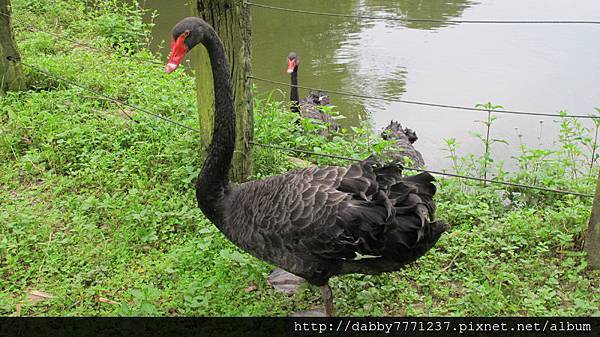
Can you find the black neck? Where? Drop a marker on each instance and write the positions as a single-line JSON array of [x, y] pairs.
[[213, 180], [294, 99]]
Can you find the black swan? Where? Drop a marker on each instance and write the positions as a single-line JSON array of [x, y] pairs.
[[309, 106], [314, 222], [404, 139]]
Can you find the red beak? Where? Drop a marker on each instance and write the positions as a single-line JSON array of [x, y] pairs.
[[291, 65], [178, 50]]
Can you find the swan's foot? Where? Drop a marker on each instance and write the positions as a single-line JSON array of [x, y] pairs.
[[308, 313], [284, 281], [327, 296]]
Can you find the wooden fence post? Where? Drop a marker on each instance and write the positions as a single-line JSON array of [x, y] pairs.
[[231, 20], [592, 244], [11, 75]]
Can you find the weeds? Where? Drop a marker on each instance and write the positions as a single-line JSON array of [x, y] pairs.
[[487, 141]]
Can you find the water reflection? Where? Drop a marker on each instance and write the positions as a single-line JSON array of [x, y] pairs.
[[359, 56], [353, 55], [419, 9], [316, 40]]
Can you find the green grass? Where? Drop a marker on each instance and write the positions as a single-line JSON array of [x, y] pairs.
[[98, 209]]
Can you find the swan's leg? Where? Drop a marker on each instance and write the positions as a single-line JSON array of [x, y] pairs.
[[327, 296], [284, 281]]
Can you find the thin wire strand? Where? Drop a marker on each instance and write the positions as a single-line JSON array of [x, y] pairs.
[[109, 98], [437, 105], [49, 74], [393, 18], [429, 171]]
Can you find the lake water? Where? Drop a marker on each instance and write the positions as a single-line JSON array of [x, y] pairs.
[[541, 68]]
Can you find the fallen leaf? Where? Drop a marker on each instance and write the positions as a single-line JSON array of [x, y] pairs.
[[106, 300], [36, 296], [250, 288], [26, 140]]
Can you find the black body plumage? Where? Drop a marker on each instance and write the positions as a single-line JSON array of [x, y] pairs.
[[404, 139], [315, 222], [311, 106]]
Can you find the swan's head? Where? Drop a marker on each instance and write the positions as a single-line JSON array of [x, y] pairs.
[[293, 62], [184, 36]]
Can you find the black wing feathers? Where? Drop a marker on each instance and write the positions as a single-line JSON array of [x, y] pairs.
[[385, 216], [319, 222]]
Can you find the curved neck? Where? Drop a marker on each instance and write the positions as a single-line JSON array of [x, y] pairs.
[[294, 99], [214, 177]]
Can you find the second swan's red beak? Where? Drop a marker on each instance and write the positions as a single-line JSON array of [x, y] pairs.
[[178, 50], [291, 65]]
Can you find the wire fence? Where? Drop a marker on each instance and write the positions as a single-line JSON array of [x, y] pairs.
[[180, 124], [409, 20], [343, 93], [287, 149], [436, 105], [453, 175]]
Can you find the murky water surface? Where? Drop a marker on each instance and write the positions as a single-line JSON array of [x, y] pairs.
[[542, 68]]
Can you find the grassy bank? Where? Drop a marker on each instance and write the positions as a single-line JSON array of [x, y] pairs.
[[98, 215]]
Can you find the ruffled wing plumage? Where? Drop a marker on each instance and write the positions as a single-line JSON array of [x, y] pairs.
[[319, 222]]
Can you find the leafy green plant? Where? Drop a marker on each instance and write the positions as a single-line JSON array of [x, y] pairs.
[[143, 303], [487, 141]]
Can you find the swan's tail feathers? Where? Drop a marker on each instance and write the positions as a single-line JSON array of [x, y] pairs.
[[387, 222], [423, 182], [410, 195], [436, 229], [414, 229], [433, 232], [398, 255], [394, 130], [416, 191]]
